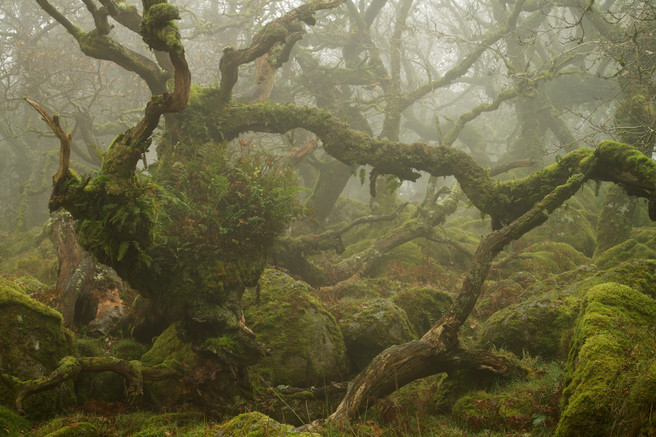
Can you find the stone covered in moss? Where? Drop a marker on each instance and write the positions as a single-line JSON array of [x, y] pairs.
[[527, 405], [423, 306], [565, 225], [541, 323], [625, 251], [610, 385], [305, 342], [256, 424], [370, 326], [32, 343], [543, 259], [168, 346]]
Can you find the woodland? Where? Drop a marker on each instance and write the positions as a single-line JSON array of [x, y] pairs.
[[328, 217]]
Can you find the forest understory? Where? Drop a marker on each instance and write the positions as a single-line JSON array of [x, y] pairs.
[[328, 218]]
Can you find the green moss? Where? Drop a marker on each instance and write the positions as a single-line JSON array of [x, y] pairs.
[[129, 350], [423, 306], [609, 376], [304, 339], [569, 225], [541, 323], [526, 405], [33, 349], [79, 429], [544, 259], [258, 425], [625, 251], [11, 423], [370, 326], [170, 346]]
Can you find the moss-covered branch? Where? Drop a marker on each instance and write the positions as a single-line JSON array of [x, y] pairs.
[[70, 367], [503, 201]]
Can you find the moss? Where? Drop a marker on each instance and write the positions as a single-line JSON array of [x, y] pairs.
[[537, 325], [625, 251], [541, 323], [170, 346], [370, 326], [544, 259], [11, 423], [526, 405], [258, 425], [304, 339], [423, 306], [32, 349], [79, 429], [609, 376], [129, 350], [565, 225], [405, 258]]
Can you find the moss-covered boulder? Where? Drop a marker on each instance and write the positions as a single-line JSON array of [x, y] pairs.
[[524, 407], [305, 343], [370, 326], [535, 325], [625, 251], [33, 341], [423, 306], [258, 425], [542, 259], [610, 385], [565, 225], [170, 345], [541, 323]]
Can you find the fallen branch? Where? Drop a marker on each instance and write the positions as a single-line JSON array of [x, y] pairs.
[[134, 372]]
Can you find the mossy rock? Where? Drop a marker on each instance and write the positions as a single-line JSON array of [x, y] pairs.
[[543, 259], [528, 405], [541, 323], [370, 326], [256, 424], [11, 423], [304, 339], [482, 410], [625, 251], [129, 350], [33, 342], [168, 346], [423, 306], [406, 258], [610, 385], [536, 325], [565, 225], [497, 295]]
